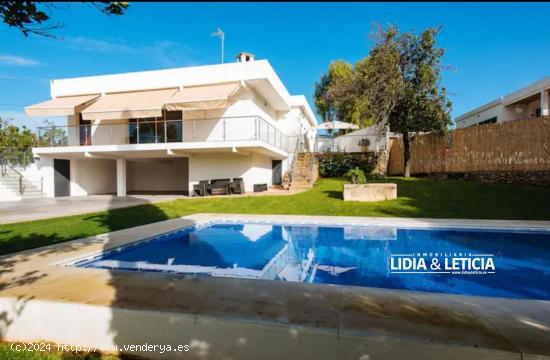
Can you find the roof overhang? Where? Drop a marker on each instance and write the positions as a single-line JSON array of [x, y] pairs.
[[301, 102], [258, 74], [267, 90]]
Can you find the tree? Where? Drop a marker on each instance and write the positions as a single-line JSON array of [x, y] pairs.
[[15, 144], [31, 17], [416, 102], [397, 86], [333, 99]]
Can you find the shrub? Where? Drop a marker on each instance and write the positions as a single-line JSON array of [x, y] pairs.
[[337, 164], [356, 176]]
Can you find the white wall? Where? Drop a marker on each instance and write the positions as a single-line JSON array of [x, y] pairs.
[[157, 175], [520, 111], [7, 194], [292, 122], [239, 122], [253, 168], [41, 168], [483, 115], [93, 176]]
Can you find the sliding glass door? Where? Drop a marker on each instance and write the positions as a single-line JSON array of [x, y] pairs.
[[167, 128]]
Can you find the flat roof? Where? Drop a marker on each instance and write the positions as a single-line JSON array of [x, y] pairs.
[[512, 97], [259, 74]]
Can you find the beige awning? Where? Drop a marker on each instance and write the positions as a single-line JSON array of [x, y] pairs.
[[203, 97], [60, 106], [138, 104]]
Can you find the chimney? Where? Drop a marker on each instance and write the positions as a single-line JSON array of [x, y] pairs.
[[245, 57]]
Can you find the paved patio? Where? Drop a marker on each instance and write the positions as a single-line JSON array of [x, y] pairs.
[[45, 208]]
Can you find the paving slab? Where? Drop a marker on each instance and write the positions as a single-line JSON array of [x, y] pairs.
[[46, 208]]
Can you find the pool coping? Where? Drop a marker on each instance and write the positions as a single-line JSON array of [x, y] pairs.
[[505, 326]]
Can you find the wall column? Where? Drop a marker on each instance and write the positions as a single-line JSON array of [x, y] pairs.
[[121, 177], [544, 102]]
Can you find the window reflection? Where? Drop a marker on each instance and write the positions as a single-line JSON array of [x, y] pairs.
[[167, 128]]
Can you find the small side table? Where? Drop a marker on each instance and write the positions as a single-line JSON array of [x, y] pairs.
[[260, 187]]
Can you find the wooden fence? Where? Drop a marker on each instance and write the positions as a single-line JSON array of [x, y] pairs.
[[521, 145]]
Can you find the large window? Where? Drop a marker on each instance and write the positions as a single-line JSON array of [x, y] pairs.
[[167, 128], [85, 131], [492, 120], [174, 126]]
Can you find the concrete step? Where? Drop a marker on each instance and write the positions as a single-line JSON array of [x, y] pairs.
[[32, 184], [10, 186], [33, 196], [6, 178], [32, 191]]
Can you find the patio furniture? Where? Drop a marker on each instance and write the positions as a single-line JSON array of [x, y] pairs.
[[219, 186], [237, 186], [200, 188], [260, 187]]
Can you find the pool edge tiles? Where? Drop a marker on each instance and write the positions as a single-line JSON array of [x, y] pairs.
[[296, 269]]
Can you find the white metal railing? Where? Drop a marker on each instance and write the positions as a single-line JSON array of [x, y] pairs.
[[238, 128]]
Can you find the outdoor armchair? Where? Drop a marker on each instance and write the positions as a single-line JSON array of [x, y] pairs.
[[237, 186], [200, 189]]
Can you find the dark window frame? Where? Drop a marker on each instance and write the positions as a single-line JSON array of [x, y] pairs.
[[152, 129]]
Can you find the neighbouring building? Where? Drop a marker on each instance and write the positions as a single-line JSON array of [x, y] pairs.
[[372, 138], [531, 101], [166, 130]]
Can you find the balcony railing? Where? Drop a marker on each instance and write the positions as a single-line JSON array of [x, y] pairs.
[[242, 128]]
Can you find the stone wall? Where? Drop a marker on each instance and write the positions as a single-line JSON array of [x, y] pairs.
[[541, 178]]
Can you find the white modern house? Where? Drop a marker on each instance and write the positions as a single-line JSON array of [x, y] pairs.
[[530, 101], [166, 130]]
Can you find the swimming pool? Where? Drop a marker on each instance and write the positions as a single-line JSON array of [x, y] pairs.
[[484, 262]]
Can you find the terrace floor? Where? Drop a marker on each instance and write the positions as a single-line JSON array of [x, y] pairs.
[[46, 208], [235, 318]]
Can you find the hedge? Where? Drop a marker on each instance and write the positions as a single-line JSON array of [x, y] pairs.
[[338, 163]]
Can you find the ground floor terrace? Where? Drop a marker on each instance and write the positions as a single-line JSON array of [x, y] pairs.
[[156, 168]]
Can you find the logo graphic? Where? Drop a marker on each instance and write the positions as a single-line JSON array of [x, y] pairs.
[[455, 263]]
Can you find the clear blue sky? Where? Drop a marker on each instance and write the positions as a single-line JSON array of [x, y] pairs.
[[495, 48]]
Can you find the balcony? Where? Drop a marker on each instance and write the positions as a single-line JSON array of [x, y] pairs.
[[240, 129]]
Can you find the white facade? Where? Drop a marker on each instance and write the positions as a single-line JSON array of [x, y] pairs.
[[371, 138], [259, 123], [531, 101]]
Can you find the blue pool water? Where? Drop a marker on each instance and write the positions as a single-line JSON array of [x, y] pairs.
[[350, 255]]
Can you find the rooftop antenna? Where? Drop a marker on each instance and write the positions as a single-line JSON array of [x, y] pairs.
[[219, 33]]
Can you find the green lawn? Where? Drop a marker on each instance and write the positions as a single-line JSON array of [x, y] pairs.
[[417, 198]]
